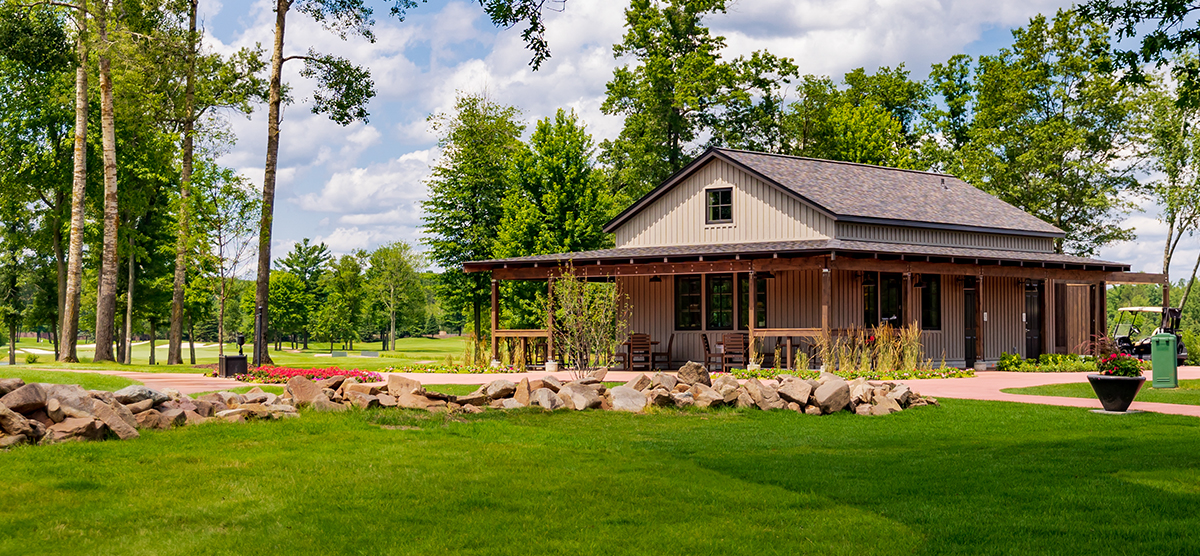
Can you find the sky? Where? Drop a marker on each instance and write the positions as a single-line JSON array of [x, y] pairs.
[[360, 186]]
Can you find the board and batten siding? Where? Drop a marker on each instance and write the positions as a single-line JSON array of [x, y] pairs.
[[948, 343], [942, 238], [761, 212], [1004, 304]]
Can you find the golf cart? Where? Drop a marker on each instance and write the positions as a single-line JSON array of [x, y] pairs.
[[1127, 330]]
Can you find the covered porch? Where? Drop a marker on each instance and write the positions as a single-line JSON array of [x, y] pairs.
[[971, 305]]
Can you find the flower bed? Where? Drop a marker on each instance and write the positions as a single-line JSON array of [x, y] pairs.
[[280, 375], [915, 374]]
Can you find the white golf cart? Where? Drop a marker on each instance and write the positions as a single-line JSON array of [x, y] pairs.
[[1130, 321]]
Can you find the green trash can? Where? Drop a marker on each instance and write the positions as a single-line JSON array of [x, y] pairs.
[[1163, 356]]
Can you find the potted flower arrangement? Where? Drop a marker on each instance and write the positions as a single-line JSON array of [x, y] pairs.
[[1118, 381]]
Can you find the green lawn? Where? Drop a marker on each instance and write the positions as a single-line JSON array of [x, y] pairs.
[[89, 381], [410, 351], [968, 478], [1188, 392]]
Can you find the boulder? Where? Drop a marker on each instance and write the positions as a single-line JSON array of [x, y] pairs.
[[114, 421], [664, 380], [683, 399], [587, 380], [862, 409], [552, 383], [9, 384], [332, 383], [812, 410], [659, 396], [73, 400], [477, 398], [205, 409], [39, 430], [470, 408], [138, 407], [796, 391], [104, 396], [123, 412], [598, 374], [902, 394], [173, 418], [681, 388], [694, 373], [861, 391], [744, 400], [10, 441], [497, 389], [54, 410], [234, 417], [795, 407], [826, 376], [522, 393], [361, 389], [14, 423], [628, 398], [254, 397], [173, 394], [639, 382], [833, 395], [27, 398], [705, 396], [150, 419], [410, 400], [510, 403], [39, 415], [580, 396], [885, 406], [76, 428], [137, 393], [363, 401], [770, 398], [545, 398], [437, 395], [193, 418], [346, 383], [326, 405], [228, 414], [387, 400], [303, 391]]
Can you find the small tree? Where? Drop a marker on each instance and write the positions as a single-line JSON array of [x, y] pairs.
[[591, 321], [227, 210]]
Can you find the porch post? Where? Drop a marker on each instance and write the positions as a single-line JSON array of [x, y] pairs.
[[826, 294], [979, 320], [550, 319], [753, 312], [495, 320], [909, 299]]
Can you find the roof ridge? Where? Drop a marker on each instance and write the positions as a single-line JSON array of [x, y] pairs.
[[844, 162]]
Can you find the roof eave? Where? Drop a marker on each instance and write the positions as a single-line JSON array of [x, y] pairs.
[[951, 227]]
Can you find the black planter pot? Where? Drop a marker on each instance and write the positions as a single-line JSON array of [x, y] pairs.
[[1116, 392]]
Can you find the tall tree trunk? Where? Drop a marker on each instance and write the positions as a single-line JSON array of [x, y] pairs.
[[1191, 282], [12, 342], [175, 335], [221, 318], [392, 309], [262, 287], [106, 300], [74, 271], [192, 337], [128, 359], [478, 332], [152, 334]]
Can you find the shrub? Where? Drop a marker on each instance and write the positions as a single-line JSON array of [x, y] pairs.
[[1009, 362], [1119, 364], [30, 358]]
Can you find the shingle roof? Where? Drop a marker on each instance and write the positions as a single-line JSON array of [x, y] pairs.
[[795, 247], [864, 193]]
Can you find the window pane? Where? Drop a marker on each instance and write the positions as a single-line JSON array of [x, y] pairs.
[[719, 205], [889, 298], [744, 302], [870, 290], [931, 302], [687, 302], [720, 302]]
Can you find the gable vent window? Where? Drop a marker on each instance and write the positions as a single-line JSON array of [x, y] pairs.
[[720, 206]]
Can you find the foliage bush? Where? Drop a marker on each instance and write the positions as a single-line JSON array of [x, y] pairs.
[[31, 358], [280, 375], [942, 372], [1119, 364], [1047, 363]]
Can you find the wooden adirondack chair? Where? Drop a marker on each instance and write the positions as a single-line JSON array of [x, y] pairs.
[[640, 354], [663, 357]]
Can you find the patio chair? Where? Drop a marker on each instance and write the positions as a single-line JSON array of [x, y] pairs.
[[735, 352], [710, 357], [640, 353], [663, 357]]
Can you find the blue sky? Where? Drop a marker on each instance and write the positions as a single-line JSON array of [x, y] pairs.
[[359, 186]]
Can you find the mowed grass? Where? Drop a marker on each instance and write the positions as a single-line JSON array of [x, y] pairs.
[[89, 381], [1188, 392], [410, 351], [967, 478]]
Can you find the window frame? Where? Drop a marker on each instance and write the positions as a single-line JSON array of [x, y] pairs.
[[709, 205], [681, 310], [743, 319], [931, 304], [709, 302]]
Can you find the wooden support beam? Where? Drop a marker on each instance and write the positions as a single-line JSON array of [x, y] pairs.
[[550, 320], [826, 297], [753, 301], [495, 320], [979, 322]]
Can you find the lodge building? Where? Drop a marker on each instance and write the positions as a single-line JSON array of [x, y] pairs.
[[823, 247]]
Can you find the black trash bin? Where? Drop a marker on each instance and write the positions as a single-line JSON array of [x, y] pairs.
[[229, 366]]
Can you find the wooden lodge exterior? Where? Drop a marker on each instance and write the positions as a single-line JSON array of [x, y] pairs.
[[824, 246]]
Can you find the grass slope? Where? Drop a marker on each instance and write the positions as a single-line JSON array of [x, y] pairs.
[[89, 381], [1188, 392], [969, 478]]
